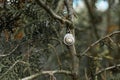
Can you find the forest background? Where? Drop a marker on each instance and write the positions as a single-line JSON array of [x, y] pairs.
[[32, 40]]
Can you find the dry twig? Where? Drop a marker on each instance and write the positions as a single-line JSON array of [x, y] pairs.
[[108, 68], [98, 41], [13, 50], [47, 72], [58, 59]]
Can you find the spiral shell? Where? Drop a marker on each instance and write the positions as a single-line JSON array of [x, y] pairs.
[[69, 39]]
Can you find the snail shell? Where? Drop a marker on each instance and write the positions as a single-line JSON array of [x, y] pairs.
[[69, 39]]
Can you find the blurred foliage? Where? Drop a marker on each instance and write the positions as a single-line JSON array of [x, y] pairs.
[[33, 41]]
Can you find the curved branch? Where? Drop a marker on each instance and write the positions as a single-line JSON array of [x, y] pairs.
[[52, 13], [58, 59], [108, 68], [47, 72], [107, 36]]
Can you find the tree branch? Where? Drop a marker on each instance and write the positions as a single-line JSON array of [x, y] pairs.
[[95, 43], [52, 13], [58, 59], [72, 49], [108, 68], [47, 72]]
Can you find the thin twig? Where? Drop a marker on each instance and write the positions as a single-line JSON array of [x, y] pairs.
[[47, 72], [12, 67], [95, 43], [108, 68], [60, 42], [13, 50], [110, 39], [58, 59]]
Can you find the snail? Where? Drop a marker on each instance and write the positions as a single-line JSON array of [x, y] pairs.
[[69, 39]]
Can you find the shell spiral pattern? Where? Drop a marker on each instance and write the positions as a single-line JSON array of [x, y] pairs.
[[69, 39]]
